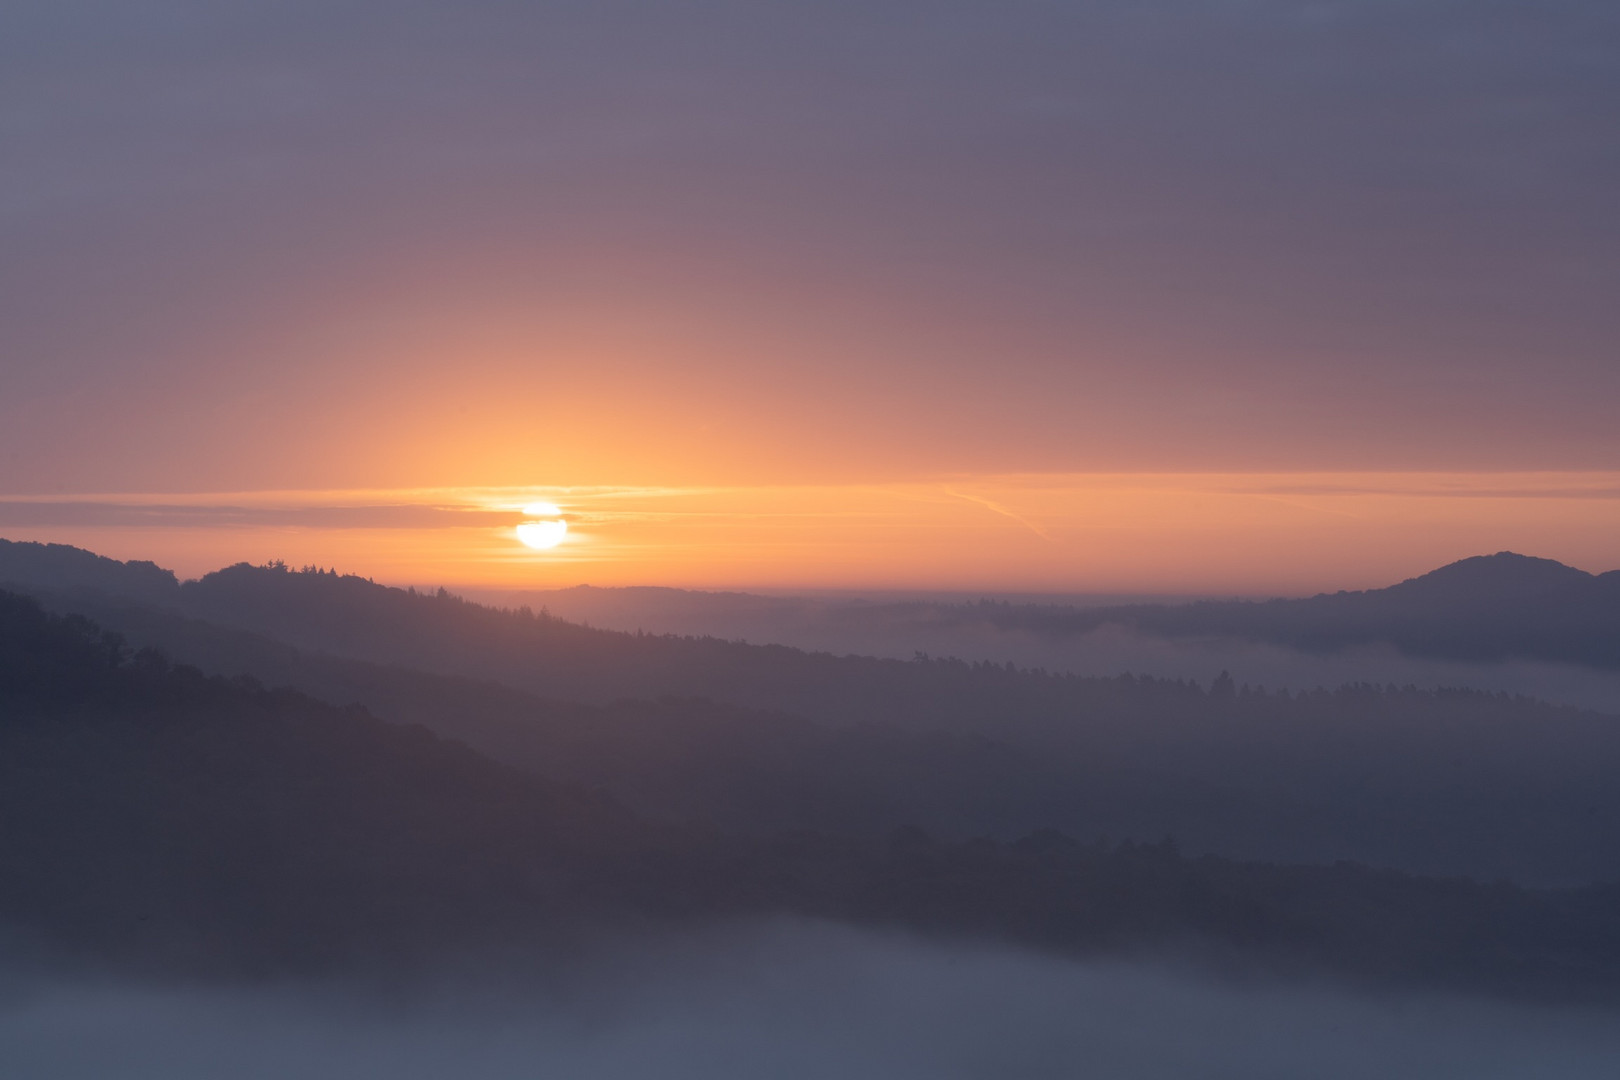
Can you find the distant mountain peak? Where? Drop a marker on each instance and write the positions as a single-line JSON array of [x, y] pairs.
[[1504, 574]]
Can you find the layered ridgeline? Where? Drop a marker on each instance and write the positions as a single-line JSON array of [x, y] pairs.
[[758, 739], [153, 818], [1485, 609]]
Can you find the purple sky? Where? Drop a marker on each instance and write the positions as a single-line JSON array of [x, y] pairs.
[[361, 244]]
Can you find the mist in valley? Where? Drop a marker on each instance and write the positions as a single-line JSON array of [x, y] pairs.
[[791, 1000], [899, 626], [347, 344]]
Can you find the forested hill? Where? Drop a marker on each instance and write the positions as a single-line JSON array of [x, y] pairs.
[[1484, 609], [773, 738], [151, 817], [150, 813]]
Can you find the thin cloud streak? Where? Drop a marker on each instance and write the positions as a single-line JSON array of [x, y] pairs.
[[1237, 534], [169, 515], [1004, 512]]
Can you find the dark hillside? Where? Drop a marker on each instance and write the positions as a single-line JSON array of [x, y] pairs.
[[768, 738], [29, 567], [150, 812], [150, 816], [1483, 610], [1432, 782]]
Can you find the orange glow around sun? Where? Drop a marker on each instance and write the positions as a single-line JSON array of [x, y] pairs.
[[1245, 534]]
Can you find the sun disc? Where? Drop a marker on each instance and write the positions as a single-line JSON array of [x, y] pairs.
[[541, 535]]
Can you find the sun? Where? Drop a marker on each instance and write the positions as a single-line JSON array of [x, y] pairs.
[[544, 534]]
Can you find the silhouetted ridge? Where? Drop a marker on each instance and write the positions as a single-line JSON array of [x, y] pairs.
[[151, 813], [151, 816], [1502, 574], [60, 567], [1502, 578], [1481, 610], [760, 738]]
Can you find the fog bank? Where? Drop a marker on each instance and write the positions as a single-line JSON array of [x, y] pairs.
[[794, 1001], [897, 629]]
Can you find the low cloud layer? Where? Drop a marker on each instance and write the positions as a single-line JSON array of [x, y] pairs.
[[894, 627], [796, 1002]]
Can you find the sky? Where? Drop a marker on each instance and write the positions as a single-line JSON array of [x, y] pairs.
[[800, 294]]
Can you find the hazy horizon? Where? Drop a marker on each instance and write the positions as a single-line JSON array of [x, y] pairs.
[[1247, 299], [582, 433], [1273, 534]]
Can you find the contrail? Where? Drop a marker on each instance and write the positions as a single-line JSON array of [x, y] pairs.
[[1004, 512]]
